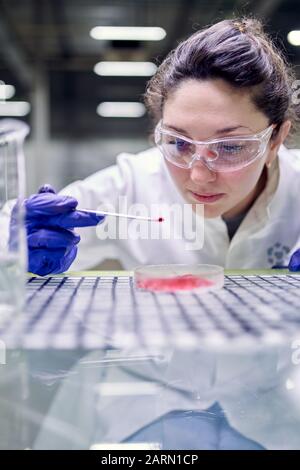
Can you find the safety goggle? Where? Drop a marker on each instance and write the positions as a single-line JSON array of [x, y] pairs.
[[225, 154]]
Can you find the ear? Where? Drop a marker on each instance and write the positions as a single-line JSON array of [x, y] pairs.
[[278, 140]]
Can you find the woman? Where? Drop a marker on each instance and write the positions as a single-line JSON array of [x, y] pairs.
[[222, 103]]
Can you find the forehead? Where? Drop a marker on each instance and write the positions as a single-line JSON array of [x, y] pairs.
[[209, 105]]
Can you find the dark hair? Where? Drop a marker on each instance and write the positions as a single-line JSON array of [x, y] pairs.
[[237, 51]]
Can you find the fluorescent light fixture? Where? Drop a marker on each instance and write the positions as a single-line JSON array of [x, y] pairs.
[[123, 68], [127, 388], [6, 91], [14, 108], [128, 33], [294, 37], [121, 109]]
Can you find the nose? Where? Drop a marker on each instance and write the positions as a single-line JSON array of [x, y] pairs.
[[199, 172]]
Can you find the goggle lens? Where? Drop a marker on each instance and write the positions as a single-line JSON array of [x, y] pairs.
[[219, 155]]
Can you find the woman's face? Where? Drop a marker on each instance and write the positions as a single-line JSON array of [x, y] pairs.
[[209, 109]]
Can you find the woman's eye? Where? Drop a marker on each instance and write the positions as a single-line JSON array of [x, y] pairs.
[[181, 145], [231, 148]]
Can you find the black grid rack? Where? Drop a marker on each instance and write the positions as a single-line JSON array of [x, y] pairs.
[[107, 311]]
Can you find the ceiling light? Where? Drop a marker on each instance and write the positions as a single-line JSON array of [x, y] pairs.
[[294, 37], [121, 109], [128, 33], [122, 68], [14, 108], [6, 91]]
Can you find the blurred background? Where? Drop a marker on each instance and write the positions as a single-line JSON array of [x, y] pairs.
[[60, 71]]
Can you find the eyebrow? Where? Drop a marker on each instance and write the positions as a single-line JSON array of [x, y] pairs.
[[219, 131]]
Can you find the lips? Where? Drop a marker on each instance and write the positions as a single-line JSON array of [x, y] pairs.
[[207, 197]]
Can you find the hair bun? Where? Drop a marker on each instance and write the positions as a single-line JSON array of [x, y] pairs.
[[249, 25], [240, 25]]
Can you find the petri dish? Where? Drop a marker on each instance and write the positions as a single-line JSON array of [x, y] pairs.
[[179, 277]]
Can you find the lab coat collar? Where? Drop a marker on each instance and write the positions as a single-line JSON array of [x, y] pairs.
[[281, 178], [262, 208]]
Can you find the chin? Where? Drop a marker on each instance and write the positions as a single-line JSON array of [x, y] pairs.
[[212, 212], [209, 212]]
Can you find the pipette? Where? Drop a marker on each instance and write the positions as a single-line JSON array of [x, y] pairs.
[[117, 214]]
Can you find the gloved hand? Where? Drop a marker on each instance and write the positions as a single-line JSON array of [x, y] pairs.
[[294, 264], [50, 220]]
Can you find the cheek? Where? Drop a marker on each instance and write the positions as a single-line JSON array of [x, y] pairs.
[[179, 175], [242, 181]]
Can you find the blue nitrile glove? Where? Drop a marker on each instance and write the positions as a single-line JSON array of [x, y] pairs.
[[50, 220], [294, 264]]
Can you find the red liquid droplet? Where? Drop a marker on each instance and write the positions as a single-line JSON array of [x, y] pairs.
[[186, 282], [161, 219]]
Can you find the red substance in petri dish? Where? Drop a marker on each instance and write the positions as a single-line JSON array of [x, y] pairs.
[[185, 282]]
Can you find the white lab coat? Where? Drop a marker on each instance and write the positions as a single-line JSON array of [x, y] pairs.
[[267, 236]]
